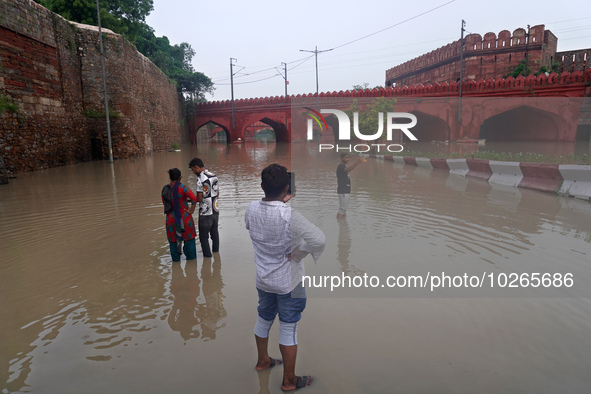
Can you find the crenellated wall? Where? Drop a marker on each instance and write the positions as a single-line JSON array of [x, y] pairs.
[[52, 90], [483, 57], [574, 60]]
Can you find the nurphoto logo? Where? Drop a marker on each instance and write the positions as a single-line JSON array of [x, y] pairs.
[[345, 130]]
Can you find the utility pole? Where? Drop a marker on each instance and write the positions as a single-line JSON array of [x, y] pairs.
[[285, 77], [98, 12], [461, 73], [316, 52], [526, 51], [231, 88]]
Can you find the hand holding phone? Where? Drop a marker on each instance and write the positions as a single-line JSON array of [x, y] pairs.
[[291, 189]]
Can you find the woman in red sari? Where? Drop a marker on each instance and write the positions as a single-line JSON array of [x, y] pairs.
[[179, 219]]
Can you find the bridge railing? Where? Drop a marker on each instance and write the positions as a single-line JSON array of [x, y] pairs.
[[435, 89]]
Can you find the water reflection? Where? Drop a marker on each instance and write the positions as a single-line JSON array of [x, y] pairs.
[[184, 317], [344, 249], [213, 309], [193, 315]]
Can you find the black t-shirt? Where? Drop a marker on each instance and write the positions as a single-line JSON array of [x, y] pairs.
[[343, 180]]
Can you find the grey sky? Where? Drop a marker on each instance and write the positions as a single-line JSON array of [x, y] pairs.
[[262, 34]]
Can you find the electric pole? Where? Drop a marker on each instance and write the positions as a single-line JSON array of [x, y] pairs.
[[461, 73], [285, 77], [231, 88], [98, 11], [526, 51], [316, 52]]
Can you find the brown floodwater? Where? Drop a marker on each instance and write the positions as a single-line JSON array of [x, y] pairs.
[[91, 303]]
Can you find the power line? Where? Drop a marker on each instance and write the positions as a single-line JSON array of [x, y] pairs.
[[342, 45], [394, 25]]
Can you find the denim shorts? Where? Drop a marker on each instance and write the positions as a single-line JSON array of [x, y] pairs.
[[289, 308]]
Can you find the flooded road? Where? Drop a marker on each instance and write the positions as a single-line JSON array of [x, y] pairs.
[[90, 301]]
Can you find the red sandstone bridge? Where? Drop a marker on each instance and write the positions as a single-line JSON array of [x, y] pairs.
[[543, 108]]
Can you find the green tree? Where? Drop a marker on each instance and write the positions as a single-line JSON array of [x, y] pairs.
[[364, 86], [369, 115], [125, 17], [520, 69], [555, 67]]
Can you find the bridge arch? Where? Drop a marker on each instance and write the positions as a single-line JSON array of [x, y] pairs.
[[277, 121], [224, 129], [430, 128], [525, 123]]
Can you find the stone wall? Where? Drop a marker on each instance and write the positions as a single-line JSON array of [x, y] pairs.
[[573, 60], [52, 90], [483, 57]]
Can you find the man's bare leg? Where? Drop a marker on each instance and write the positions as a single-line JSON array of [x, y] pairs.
[[290, 379], [264, 360]]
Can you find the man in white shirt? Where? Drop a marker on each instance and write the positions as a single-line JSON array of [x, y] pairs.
[[207, 193], [281, 238]]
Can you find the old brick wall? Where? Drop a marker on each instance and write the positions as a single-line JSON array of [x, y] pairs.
[[483, 58], [151, 116], [50, 70], [574, 60]]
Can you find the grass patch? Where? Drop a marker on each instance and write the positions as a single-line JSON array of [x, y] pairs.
[[6, 104]]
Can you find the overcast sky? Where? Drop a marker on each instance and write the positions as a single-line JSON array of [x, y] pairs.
[[366, 37]]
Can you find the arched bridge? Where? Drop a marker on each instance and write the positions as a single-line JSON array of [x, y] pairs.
[[543, 108]]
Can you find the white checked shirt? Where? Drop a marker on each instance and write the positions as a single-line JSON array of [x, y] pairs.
[[275, 230]]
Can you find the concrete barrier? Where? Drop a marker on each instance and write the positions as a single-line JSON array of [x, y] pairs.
[[458, 166], [439, 164], [410, 160], [568, 180], [542, 177], [505, 173], [479, 168], [577, 181], [424, 162]]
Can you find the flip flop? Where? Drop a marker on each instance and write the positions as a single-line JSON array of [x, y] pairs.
[[302, 381], [272, 364]]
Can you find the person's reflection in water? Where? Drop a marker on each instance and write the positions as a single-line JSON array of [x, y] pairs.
[[185, 314], [344, 249], [213, 311], [264, 381]]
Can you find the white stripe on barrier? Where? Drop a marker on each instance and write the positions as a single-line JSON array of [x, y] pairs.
[[577, 181], [398, 159], [458, 166], [505, 173], [424, 162]]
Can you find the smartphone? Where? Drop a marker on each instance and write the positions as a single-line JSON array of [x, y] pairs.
[[291, 189]]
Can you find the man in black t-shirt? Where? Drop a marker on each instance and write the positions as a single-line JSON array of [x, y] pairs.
[[344, 182]]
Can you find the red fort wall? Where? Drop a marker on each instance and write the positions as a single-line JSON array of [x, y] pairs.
[[483, 58]]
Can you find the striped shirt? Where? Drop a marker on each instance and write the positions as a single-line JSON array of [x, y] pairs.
[[275, 230]]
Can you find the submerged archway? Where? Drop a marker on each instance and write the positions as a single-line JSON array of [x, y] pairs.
[[524, 123], [211, 131]]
